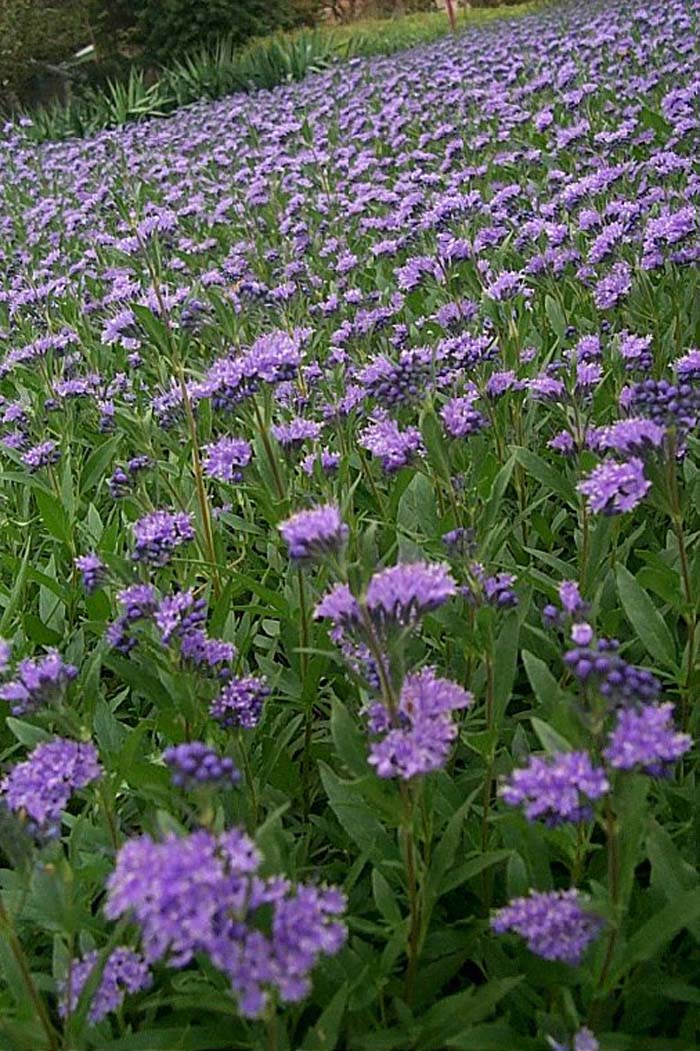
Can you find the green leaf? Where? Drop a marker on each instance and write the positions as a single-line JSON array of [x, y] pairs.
[[657, 932], [550, 740], [53, 515], [26, 733], [555, 316], [455, 1014], [551, 478], [497, 493], [433, 440], [506, 662], [357, 818], [417, 508], [646, 619], [325, 1034], [385, 899], [544, 686], [348, 740]]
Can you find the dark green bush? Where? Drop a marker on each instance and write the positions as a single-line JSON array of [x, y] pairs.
[[171, 27], [35, 36]]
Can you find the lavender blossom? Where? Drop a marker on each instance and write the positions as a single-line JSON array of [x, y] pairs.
[[195, 763], [311, 534], [39, 682], [557, 789], [394, 447], [225, 459], [645, 738], [555, 924], [42, 455], [92, 570], [125, 971], [202, 894], [615, 488], [417, 737], [403, 594], [240, 703], [159, 534], [179, 614], [42, 785]]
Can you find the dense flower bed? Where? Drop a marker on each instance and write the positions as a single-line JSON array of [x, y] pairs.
[[349, 579]]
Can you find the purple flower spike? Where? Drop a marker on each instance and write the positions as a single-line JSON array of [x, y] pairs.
[[92, 570], [42, 785], [646, 739], [125, 971], [195, 763], [38, 682], [240, 703], [225, 459], [418, 737], [403, 593], [558, 789], [614, 488], [311, 534], [158, 534], [554, 924]]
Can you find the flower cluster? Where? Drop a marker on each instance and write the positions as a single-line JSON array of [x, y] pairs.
[[195, 763], [158, 534], [38, 682], [240, 703], [124, 971], [555, 924], [557, 789], [42, 784], [202, 894], [311, 534], [416, 738]]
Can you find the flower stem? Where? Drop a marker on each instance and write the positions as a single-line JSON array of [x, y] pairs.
[[21, 960], [414, 904]]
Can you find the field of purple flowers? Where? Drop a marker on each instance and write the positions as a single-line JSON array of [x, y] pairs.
[[349, 583]]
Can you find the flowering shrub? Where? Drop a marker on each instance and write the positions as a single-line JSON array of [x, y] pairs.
[[349, 586]]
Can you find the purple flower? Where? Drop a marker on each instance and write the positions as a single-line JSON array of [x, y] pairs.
[[460, 419], [125, 971], [240, 703], [554, 924], [394, 447], [583, 1041], [195, 763], [612, 677], [202, 894], [38, 682], [41, 455], [340, 606], [632, 436], [328, 461], [226, 459], [92, 569], [296, 431], [159, 533], [557, 789], [403, 593], [418, 736], [210, 654], [646, 738], [688, 367], [5, 653], [570, 597], [42, 785], [179, 614], [311, 534], [611, 288], [615, 488]]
